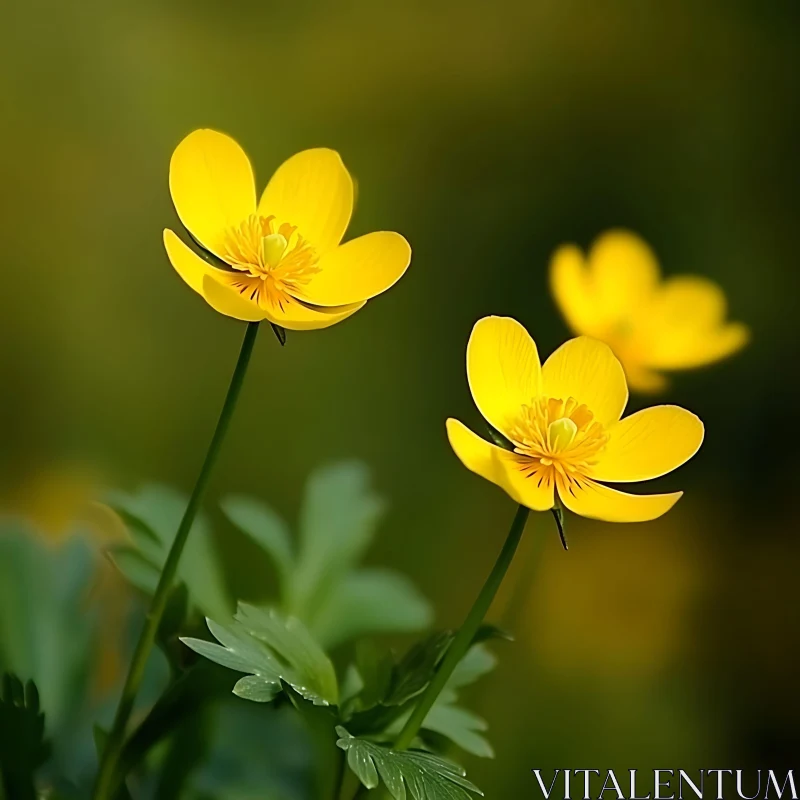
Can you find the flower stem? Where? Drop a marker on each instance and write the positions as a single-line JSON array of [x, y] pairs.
[[463, 640], [107, 778]]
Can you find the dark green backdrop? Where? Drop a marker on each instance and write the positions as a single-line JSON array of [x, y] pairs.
[[488, 134]]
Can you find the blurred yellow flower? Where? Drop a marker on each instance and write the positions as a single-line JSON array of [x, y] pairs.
[[562, 422], [279, 259], [616, 295]]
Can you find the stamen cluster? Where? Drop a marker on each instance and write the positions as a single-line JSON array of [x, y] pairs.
[[562, 435]]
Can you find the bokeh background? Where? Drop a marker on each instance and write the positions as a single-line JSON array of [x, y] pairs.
[[488, 134]]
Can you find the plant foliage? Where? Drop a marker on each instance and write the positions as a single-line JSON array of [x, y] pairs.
[[414, 774], [23, 747], [272, 650], [321, 582]]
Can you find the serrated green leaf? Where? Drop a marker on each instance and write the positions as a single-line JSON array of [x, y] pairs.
[[421, 775], [322, 585], [153, 515], [478, 661], [265, 528], [337, 522], [273, 648], [257, 689], [23, 747], [461, 726], [293, 643], [416, 668], [369, 601], [446, 718]]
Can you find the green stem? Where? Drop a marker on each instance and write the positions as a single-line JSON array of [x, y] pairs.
[[338, 783], [107, 777], [463, 640]]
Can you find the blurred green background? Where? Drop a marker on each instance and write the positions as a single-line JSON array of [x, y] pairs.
[[488, 134]]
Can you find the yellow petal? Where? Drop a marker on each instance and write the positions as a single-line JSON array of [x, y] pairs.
[[641, 379], [649, 443], [313, 191], [297, 316], [224, 298], [359, 269], [241, 296], [187, 263], [590, 499], [692, 300], [685, 326], [510, 472], [587, 370], [573, 290], [503, 370], [212, 186], [624, 272]]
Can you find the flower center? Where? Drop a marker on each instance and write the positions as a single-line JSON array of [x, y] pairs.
[[560, 435], [272, 249], [281, 258]]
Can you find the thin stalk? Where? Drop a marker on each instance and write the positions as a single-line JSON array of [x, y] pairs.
[[341, 772], [463, 640], [107, 778]]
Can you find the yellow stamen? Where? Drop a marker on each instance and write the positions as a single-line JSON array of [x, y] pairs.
[[272, 249], [561, 434], [557, 436], [261, 249]]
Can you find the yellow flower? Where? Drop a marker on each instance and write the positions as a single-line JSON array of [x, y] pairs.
[[562, 421], [616, 295], [279, 259]]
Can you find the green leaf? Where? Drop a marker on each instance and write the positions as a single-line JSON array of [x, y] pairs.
[[487, 632], [375, 670], [139, 571], [478, 661], [337, 524], [272, 649], [47, 633], [292, 642], [23, 748], [416, 669], [321, 584], [421, 775], [370, 601], [152, 516], [461, 726], [257, 689], [448, 719], [265, 528]]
